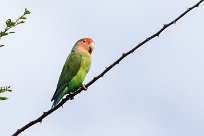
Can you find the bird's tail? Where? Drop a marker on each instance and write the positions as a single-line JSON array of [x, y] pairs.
[[57, 100]]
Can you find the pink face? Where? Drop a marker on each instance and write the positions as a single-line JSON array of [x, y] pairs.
[[86, 44]]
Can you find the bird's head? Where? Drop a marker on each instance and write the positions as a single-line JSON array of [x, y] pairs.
[[84, 44]]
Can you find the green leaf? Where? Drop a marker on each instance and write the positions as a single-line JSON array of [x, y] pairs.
[[22, 17], [10, 23], [5, 89], [3, 34], [26, 11], [8, 89], [3, 98], [21, 22]]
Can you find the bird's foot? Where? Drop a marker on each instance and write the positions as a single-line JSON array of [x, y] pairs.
[[84, 87], [71, 97]]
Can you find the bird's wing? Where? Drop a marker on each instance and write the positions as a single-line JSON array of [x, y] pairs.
[[70, 69]]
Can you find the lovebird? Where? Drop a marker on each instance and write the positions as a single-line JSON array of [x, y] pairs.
[[75, 69]]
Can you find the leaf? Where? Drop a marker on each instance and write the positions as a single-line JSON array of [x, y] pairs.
[[22, 17], [8, 89], [11, 32], [26, 11], [3, 98], [10, 23], [5, 89], [3, 34], [21, 22]]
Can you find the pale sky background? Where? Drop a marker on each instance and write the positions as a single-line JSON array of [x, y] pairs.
[[157, 91]]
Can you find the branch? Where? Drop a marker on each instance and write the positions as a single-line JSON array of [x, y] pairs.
[[10, 24], [80, 89]]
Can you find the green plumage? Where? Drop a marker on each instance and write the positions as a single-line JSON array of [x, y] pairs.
[[73, 73]]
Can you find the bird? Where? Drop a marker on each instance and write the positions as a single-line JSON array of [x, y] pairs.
[[75, 69]]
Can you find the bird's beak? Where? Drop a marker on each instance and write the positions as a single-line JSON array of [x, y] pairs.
[[91, 47]]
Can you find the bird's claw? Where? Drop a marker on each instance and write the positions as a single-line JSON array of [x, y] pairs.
[[71, 97], [84, 87]]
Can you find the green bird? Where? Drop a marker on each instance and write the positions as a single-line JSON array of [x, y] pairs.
[[75, 69]]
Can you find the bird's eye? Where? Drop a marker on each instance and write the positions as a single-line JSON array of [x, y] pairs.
[[84, 41]]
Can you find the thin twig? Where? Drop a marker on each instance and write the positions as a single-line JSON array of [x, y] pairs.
[[45, 114], [10, 24]]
